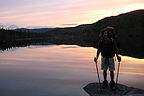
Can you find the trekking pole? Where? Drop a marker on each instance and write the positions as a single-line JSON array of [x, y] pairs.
[[117, 74], [98, 74]]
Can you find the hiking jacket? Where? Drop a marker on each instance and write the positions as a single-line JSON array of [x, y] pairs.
[[107, 48]]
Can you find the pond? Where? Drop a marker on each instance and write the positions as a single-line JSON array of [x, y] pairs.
[[58, 70]]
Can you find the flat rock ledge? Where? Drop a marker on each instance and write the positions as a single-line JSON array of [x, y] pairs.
[[93, 89]]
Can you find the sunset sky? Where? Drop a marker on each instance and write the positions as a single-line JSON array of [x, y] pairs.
[[62, 13]]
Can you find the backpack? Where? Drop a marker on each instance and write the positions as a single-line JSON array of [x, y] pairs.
[[111, 34], [109, 49]]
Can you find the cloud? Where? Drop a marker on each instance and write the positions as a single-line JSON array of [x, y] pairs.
[[70, 47], [37, 27], [8, 26], [58, 13], [69, 24]]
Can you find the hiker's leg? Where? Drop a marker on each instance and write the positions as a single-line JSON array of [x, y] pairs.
[[105, 82], [111, 68], [104, 67], [112, 75], [112, 83], [105, 74]]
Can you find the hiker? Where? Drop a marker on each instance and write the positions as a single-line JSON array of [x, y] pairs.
[[108, 48], [112, 33]]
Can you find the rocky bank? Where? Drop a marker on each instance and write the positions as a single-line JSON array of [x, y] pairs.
[[93, 89]]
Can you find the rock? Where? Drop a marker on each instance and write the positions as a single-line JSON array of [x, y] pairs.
[[93, 89]]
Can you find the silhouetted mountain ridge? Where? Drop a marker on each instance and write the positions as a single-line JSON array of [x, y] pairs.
[[129, 27], [34, 30]]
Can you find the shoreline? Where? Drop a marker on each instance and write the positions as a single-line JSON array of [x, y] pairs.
[[123, 90]]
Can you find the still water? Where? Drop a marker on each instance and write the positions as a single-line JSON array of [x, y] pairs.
[[58, 70]]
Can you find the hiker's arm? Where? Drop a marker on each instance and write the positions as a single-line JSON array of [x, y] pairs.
[[117, 51], [98, 52], [96, 58], [118, 57]]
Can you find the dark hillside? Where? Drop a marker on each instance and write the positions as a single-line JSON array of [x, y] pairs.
[[129, 27]]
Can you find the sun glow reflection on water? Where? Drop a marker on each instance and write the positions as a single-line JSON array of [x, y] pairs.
[[44, 69]]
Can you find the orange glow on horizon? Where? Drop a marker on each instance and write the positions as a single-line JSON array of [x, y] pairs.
[[56, 13]]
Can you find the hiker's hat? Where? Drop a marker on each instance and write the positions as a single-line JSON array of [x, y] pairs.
[[109, 28]]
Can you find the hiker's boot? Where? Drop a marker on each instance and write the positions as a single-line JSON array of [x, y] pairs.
[[105, 84], [112, 85]]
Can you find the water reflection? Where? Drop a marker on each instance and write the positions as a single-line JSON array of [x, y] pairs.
[[58, 70]]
